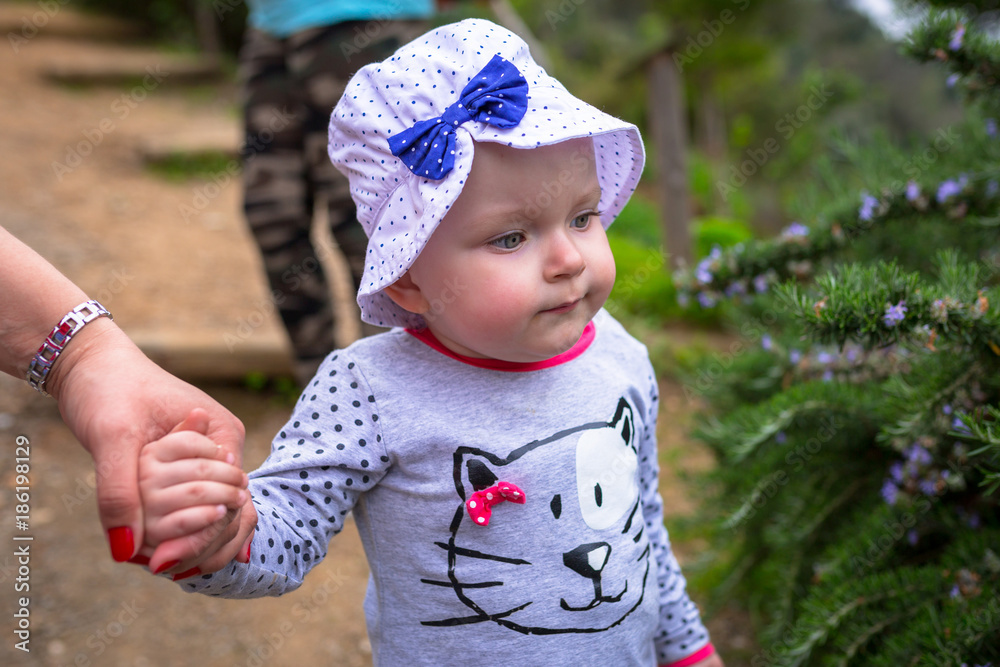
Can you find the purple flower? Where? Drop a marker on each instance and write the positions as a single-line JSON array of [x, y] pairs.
[[824, 357], [918, 455], [890, 492], [794, 230], [955, 592], [948, 189], [960, 426], [973, 520], [952, 80], [992, 188], [991, 127], [868, 205], [735, 288], [827, 375], [683, 299], [766, 342], [912, 537], [896, 472], [703, 275], [912, 191], [794, 356], [760, 283], [894, 314], [956, 38], [946, 409], [780, 437], [705, 299], [928, 487]]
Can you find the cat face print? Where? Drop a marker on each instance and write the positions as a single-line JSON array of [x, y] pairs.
[[572, 558]]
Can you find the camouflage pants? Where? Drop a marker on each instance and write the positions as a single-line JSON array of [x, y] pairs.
[[290, 86]]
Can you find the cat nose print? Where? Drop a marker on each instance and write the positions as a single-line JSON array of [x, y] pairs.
[[588, 560]]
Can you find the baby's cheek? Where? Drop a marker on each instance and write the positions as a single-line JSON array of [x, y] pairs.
[[602, 268]]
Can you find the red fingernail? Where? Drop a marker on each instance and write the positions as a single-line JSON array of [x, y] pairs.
[[140, 560], [122, 543], [187, 573], [166, 566]]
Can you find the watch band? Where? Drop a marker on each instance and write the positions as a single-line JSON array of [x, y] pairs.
[[61, 334]]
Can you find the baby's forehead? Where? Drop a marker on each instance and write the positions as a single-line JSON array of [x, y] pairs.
[[572, 159]]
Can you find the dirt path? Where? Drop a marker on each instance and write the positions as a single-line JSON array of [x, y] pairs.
[[73, 186]]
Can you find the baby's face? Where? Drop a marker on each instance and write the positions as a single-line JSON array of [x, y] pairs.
[[520, 264]]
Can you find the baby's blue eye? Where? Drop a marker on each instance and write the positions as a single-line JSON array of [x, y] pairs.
[[509, 242]]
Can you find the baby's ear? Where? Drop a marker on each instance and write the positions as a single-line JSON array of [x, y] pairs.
[[407, 295]]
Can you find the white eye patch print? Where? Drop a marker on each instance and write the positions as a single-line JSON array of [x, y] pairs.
[[606, 467]]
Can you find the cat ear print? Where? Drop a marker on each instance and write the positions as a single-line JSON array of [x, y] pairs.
[[624, 421], [480, 476]]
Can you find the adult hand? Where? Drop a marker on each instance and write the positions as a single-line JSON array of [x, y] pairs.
[[115, 400]]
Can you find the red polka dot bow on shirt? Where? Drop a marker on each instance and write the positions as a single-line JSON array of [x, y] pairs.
[[480, 505]]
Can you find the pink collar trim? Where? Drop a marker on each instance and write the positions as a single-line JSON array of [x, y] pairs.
[[579, 347]]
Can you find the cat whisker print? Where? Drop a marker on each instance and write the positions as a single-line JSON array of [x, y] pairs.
[[549, 580]]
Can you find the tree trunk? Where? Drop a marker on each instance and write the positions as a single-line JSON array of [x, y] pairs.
[[712, 123], [668, 128], [205, 28]]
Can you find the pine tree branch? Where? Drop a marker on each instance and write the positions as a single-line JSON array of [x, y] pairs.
[[759, 264], [950, 37]]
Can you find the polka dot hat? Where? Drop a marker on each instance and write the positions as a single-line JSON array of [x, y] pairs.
[[461, 83]]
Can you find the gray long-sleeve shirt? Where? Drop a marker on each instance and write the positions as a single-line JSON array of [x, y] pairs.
[[403, 435]]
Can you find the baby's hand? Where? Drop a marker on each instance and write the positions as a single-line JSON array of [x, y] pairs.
[[187, 484]]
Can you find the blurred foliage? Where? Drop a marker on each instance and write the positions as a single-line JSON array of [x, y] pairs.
[[644, 289], [179, 167], [856, 416], [174, 22]]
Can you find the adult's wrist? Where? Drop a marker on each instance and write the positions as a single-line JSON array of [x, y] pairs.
[[93, 342]]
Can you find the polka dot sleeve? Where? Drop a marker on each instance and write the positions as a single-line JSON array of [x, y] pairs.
[[324, 458], [681, 632]]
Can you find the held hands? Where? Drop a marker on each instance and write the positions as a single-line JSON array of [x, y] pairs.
[[190, 489], [115, 400]]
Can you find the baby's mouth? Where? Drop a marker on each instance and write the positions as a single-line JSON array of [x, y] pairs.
[[564, 307]]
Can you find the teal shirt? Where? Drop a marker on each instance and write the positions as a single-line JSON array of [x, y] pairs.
[[282, 18]]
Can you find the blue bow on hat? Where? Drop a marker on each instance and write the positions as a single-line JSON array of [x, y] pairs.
[[498, 96]]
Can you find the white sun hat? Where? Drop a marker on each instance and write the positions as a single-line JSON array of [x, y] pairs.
[[461, 83]]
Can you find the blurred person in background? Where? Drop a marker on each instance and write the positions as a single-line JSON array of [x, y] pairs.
[[296, 59]]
